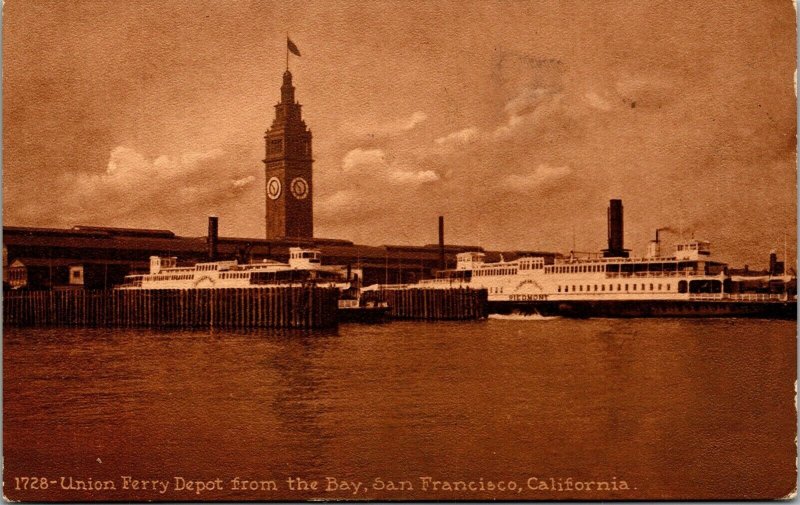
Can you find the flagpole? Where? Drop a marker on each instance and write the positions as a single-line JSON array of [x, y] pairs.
[[287, 51]]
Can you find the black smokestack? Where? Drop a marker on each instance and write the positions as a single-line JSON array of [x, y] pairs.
[[616, 247], [441, 243], [213, 237]]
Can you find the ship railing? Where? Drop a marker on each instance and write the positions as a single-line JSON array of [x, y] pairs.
[[135, 283], [739, 297], [381, 287], [760, 297], [441, 281], [686, 273]]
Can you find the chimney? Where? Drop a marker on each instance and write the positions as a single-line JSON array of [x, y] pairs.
[[442, 265], [616, 248], [773, 262], [213, 237]]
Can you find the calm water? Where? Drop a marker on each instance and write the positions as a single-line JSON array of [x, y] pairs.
[[673, 408]]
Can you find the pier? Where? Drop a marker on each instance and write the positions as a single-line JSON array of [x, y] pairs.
[[432, 304], [303, 307]]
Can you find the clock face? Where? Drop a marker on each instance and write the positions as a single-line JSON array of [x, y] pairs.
[[274, 188], [299, 188]]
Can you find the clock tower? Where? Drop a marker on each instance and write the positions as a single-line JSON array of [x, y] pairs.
[[289, 212]]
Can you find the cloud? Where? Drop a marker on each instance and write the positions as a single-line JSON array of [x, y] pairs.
[[415, 119], [126, 166], [162, 191], [340, 200], [465, 136], [373, 164], [390, 128], [244, 181], [359, 156], [543, 174], [596, 101], [526, 101], [413, 177], [529, 105]]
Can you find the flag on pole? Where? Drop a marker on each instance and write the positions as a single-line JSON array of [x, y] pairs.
[[291, 47]]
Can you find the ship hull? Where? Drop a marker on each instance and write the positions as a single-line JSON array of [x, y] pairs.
[[650, 308], [363, 314]]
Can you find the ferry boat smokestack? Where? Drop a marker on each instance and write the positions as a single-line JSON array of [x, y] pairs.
[[213, 237], [442, 265], [616, 247]]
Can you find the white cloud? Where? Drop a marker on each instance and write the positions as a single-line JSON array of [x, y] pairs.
[[342, 200], [415, 119], [413, 177], [137, 188], [597, 101], [526, 101], [541, 175], [123, 159], [360, 156], [395, 127], [373, 163], [528, 105], [127, 166], [244, 181], [505, 129], [465, 136]]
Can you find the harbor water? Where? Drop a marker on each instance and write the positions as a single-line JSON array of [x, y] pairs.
[[655, 408]]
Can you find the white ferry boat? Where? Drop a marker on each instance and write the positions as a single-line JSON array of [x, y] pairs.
[[304, 267], [677, 284]]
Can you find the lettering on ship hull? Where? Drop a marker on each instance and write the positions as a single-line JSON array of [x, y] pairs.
[[527, 298]]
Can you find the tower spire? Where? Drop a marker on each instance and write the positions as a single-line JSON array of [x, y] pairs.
[[287, 89], [288, 162]]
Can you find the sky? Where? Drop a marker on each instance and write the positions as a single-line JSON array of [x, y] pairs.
[[517, 121]]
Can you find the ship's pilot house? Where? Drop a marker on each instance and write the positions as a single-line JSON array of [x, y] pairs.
[[693, 250], [304, 258]]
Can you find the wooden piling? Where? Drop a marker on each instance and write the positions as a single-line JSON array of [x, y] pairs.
[[268, 307], [432, 304]]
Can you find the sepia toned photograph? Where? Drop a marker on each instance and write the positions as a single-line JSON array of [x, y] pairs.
[[433, 250]]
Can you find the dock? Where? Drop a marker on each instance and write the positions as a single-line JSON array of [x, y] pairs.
[[302, 307], [431, 304]]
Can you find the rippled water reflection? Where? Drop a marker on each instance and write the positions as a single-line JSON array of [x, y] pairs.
[[675, 408]]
